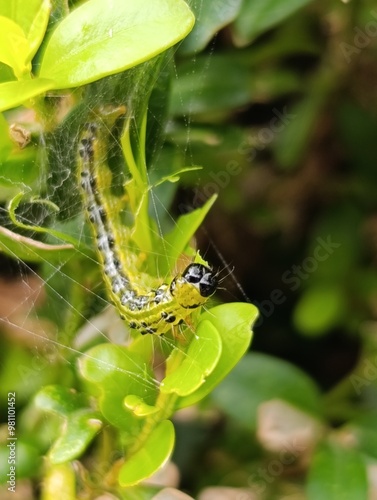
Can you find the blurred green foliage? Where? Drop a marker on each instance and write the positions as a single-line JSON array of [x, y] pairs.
[[277, 101]]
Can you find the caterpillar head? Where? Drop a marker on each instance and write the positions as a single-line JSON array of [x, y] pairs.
[[192, 288]]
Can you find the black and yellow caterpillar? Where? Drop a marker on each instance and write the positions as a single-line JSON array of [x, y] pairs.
[[146, 309]]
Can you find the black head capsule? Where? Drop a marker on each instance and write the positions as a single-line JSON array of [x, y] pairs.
[[201, 277]]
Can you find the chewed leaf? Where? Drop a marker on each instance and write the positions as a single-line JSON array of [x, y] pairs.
[[79, 430], [151, 457], [200, 359], [233, 322], [96, 40]]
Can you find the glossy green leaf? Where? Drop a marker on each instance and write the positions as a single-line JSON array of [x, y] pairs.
[[255, 17], [233, 322], [80, 426], [95, 41], [210, 18], [60, 400], [336, 473], [15, 93], [14, 47], [116, 373], [258, 378], [77, 433], [320, 308], [30, 250], [186, 375], [151, 457], [32, 16]]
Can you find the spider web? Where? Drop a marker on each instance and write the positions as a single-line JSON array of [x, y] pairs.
[[33, 317]]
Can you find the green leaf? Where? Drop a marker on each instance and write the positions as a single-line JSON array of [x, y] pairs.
[[14, 47], [115, 373], [210, 18], [255, 17], [6, 144], [187, 375], [6, 73], [184, 229], [151, 457], [80, 426], [32, 16], [15, 93], [336, 473], [96, 40], [138, 406], [319, 309], [29, 250], [78, 431], [60, 400], [258, 378], [233, 322]]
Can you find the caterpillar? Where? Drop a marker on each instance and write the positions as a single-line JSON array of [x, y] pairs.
[[149, 310]]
